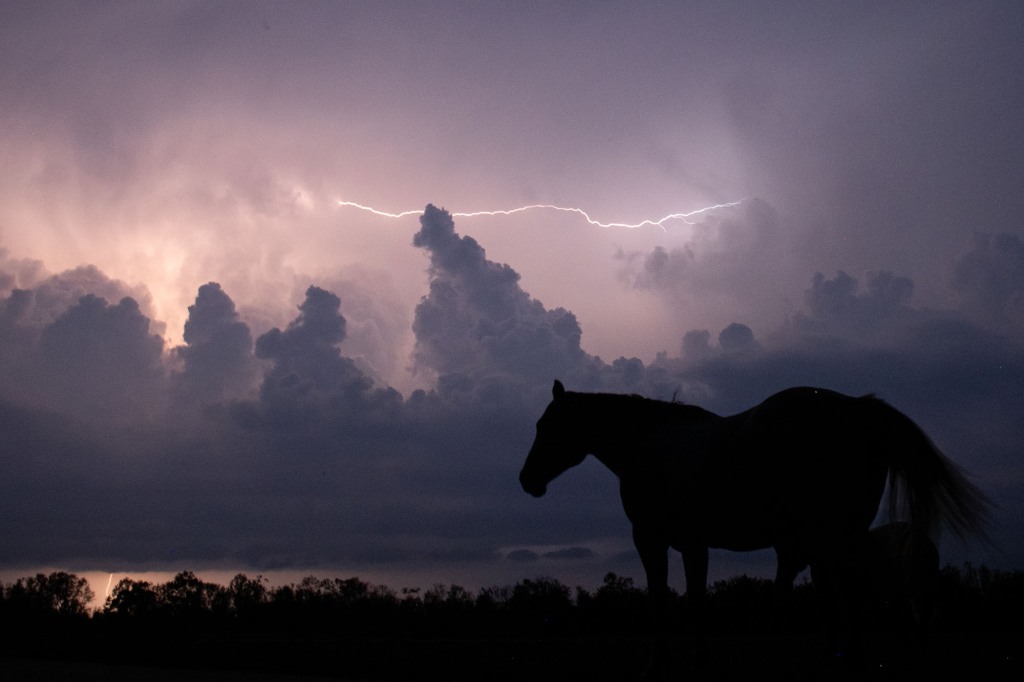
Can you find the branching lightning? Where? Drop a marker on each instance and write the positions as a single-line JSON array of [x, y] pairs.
[[549, 207]]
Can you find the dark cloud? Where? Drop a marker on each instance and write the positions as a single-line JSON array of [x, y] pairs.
[[18, 272], [697, 344], [523, 555], [57, 491], [53, 294], [309, 377], [570, 554], [17, 338], [990, 279], [218, 355], [840, 308], [737, 338], [663, 269], [477, 321], [322, 466], [79, 342], [481, 334], [102, 359]]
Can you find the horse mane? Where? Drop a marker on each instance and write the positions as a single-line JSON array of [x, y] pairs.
[[668, 409]]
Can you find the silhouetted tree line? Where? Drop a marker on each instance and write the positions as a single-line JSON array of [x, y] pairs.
[[968, 599], [57, 595]]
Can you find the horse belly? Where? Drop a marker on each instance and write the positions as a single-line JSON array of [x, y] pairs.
[[823, 479], [742, 531], [725, 522]]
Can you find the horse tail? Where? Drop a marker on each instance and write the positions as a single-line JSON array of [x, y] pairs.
[[925, 487]]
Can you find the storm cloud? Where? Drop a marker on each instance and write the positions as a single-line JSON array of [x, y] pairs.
[[206, 361], [297, 458]]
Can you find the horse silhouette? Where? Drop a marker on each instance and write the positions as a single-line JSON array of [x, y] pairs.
[[803, 472]]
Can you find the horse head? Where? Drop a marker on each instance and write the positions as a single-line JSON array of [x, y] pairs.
[[557, 445]]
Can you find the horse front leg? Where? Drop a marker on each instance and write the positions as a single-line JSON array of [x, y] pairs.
[[653, 552], [695, 564]]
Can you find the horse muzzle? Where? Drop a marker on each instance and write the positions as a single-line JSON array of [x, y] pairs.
[[535, 488]]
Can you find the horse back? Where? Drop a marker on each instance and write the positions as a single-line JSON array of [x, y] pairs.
[[802, 466]]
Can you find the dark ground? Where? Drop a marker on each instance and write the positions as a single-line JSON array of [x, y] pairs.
[[971, 656]]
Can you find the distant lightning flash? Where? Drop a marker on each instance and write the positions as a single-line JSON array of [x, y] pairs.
[[644, 223]]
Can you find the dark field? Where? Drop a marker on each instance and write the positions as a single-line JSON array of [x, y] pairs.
[[973, 656], [345, 629]]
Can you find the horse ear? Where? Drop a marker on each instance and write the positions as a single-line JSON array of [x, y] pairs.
[[558, 391]]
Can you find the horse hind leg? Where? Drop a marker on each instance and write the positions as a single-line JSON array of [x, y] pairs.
[[838, 576], [787, 567], [834, 609]]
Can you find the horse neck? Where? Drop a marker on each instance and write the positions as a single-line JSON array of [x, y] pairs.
[[622, 428]]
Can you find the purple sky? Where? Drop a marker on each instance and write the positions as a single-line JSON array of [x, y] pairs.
[[206, 362]]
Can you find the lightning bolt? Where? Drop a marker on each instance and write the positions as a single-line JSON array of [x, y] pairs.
[[683, 216]]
